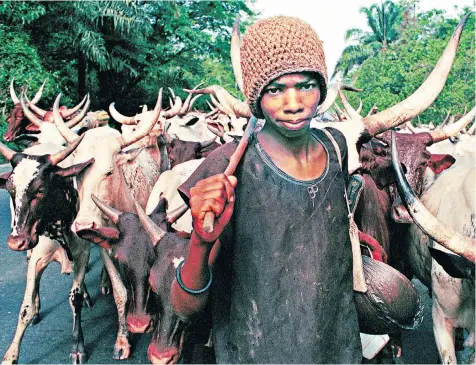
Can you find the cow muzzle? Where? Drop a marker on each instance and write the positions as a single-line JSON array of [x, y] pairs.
[[78, 226], [20, 243], [162, 356], [140, 323]]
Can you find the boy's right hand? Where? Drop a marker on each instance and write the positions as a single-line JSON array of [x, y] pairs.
[[216, 194]]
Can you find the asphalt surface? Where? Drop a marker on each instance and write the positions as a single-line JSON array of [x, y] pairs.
[[49, 341]]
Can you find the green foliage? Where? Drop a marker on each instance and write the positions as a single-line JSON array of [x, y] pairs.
[[393, 75], [384, 21]]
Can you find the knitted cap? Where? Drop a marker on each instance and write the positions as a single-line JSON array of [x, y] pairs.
[[277, 46]]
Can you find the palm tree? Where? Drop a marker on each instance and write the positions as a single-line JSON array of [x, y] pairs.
[[99, 32], [383, 21]]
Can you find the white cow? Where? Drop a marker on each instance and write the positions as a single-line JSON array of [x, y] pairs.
[[118, 185], [447, 214]]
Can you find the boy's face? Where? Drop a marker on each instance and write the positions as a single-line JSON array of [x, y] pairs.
[[289, 102]]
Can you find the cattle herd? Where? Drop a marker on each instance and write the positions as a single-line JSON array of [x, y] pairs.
[[79, 181]]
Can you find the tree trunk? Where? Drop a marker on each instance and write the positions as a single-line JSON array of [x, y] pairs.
[[81, 75]]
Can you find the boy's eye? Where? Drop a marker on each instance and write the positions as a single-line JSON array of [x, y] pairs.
[[273, 90], [309, 86]]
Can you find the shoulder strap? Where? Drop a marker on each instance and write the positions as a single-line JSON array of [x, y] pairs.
[[334, 143], [357, 265]]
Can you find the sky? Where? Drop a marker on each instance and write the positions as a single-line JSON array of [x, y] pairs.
[[331, 18]]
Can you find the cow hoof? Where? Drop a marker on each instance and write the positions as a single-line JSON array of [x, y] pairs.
[[88, 302], [122, 349], [9, 361], [36, 319], [78, 357]]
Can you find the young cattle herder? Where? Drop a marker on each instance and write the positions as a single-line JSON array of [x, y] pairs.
[[277, 267]]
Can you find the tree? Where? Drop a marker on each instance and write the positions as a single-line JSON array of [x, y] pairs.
[[384, 21], [391, 76]]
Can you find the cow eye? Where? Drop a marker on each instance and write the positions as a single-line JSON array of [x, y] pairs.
[[40, 191]]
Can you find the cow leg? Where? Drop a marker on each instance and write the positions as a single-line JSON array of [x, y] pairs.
[[105, 282], [36, 317], [37, 263], [88, 302], [444, 336], [80, 250], [122, 348]]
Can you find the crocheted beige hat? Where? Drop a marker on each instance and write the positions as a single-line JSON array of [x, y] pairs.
[[276, 46]]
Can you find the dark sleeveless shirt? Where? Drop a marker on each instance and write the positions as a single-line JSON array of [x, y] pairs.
[[282, 290]]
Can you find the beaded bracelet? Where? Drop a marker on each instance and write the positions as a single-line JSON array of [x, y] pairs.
[[192, 291]]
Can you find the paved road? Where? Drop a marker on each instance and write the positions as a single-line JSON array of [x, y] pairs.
[[49, 341]]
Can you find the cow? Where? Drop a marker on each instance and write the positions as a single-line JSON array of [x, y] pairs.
[[112, 173], [20, 123], [44, 205], [445, 220], [150, 252]]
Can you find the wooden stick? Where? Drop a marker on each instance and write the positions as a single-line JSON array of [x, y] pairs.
[[234, 161]]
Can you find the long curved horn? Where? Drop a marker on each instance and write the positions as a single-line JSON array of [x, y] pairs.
[[33, 107], [61, 155], [118, 117], [187, 105], [144, 127], [110, 212], [175, 108], [434, 228], [332, 93], [235, 53], [78, 118], [6, 152], [359, 109], [155, 232], [446, 119], [341, 113], [175, 214], [471, 130], [423, 97], [29, 114], [239, 108], [452, 130], [410, 127], [13, 95], [38, 94], [69, 112], [371, 110], [348, 108], [67, 133]]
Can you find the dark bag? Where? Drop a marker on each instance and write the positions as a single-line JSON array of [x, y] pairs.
[[391, 302]]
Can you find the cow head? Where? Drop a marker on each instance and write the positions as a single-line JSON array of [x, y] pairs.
[[41, 193], [150, 254], [105, 179], [135, 251], [18, 124], [376, 161], [183, 151]]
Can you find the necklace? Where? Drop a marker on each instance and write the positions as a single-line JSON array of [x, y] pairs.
[[312, 191]]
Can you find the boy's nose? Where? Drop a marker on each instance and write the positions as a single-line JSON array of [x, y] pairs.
[[292, 102]]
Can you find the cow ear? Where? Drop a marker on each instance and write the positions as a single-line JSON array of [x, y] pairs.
[[3, 179], [456, 266], [105, 237], [26, 139], [192, 121], [439, 163], [73, 170], [128, 156], [30, 127]]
